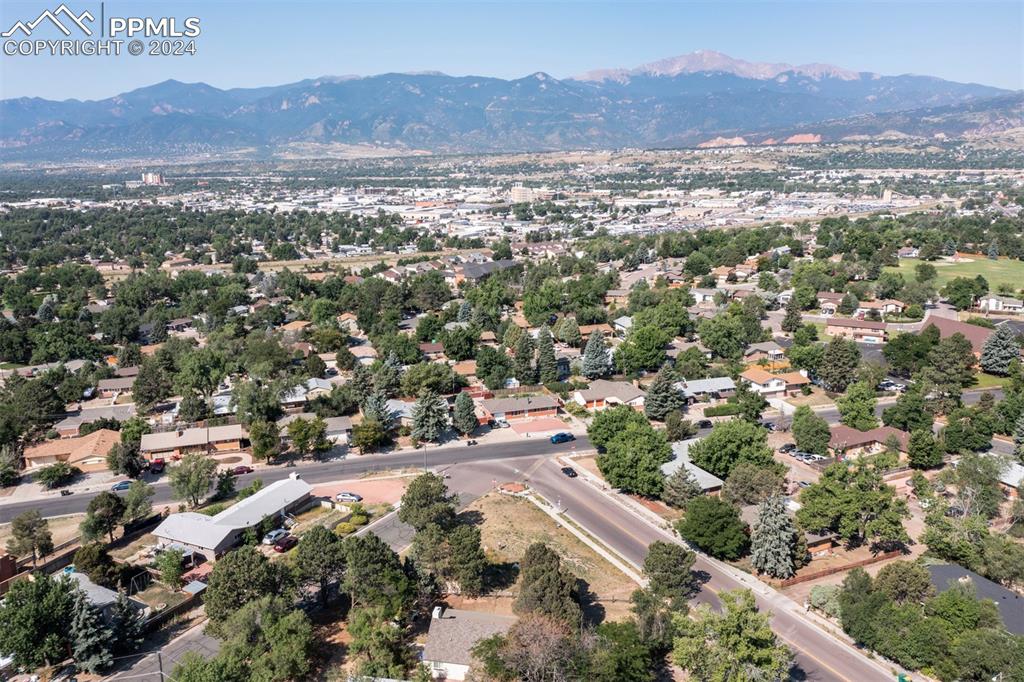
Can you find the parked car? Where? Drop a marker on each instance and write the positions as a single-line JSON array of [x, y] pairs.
[[498, 424], [704, 424], [348, 497], [562, 437], [285, 543], [121, 485], [787, 448], [273, 536], [803, 484], [771, 426], [242, 469], [570, 472], [157, 465]]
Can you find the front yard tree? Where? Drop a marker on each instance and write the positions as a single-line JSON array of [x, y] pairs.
[[792, 320], [546, 587], [191, 478], [374, 575], [241, 576], [265, 438], [595, 356], [773, 539], [857, 407], [837, 368], [668, 571], [522, 364], [429, 417], [730, 443], [427, 501], [103, 515], [609, 423], [30, 534], [34, 621], [368, 435], [632, 460], [320, 560], [151, 385], [923, 450], [92, 640], [999, 350], [124, 458], [663, 398], [810, 431], [309, 436], [464, 414], [715, 527], [736, 644]]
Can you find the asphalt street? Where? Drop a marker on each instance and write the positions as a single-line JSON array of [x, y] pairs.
[[56, 505]]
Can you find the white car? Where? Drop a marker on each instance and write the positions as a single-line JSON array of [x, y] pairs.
[[348, 497], [273, 536]]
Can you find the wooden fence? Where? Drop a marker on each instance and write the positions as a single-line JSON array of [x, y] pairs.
[[835, 569]]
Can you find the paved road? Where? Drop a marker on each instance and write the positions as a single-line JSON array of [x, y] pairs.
[[157, 666], [323, 472]]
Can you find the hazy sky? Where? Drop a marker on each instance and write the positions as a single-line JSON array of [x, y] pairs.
[[256, 43]]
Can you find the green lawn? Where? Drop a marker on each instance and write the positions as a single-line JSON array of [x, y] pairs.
[[1003, 271], [983, 380]]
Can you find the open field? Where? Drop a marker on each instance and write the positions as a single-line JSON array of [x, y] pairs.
[[1002, 271], [511, 524], [62, 528]]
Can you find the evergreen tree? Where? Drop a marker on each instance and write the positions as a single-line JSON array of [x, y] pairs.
[[662, 395], [92, 640], [523, 368], [595, 357], [792, 319], [192, 408], [772, 541], [464, 414], [680, 488], [837, 368], [999, 350], [362, 382], [570, 332], [127, 624], [465, 312], [375, 408], [546, 587], [512, 335], [924, 451], [547, 364], [429, 416]]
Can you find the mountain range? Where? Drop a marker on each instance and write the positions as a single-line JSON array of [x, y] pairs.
[[691, 100]]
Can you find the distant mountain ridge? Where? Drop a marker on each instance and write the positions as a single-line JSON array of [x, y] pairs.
[[681, 101]]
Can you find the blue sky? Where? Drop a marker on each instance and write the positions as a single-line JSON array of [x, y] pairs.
[[254, 43]]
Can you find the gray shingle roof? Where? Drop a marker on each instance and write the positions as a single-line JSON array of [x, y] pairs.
[[452, 636], [681, 451], [1011, 604]]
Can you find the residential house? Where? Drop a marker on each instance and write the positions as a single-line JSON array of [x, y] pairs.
[[1009, 603], [401, 410], [88, 453], [829, 302], [817, 545], [70, 425], [883, 307], [766, 350], [213, 536], [703, 297], [365, 354], [524, 407], [994, 303], [604, 329], [603, 393], [708, 482], [1012, 480], [205, 439], [861, 331], [452, 634], [304, 393], [700, 390], [616, 297], [975, 334], [760, 381], [108, 388], [432, 351], [908, 252], [622, 325], [848, 442], [338, 429], [102, 598]]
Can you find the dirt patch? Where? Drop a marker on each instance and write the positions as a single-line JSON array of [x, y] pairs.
[[373, 491], [62, 528], [511, 524]]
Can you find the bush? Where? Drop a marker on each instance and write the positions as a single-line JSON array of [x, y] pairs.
[[358, 520], [914, 312], [723, 410], [57, 475], [344, 528], [825, 598], [575, 409], [561, 388]]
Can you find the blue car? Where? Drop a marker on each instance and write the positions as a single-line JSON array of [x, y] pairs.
[[121, 485], [562, 438]]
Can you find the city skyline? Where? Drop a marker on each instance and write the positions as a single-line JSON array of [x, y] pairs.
[[954, 41]]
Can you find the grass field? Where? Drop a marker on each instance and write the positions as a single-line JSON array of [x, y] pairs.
[[1003, 271]]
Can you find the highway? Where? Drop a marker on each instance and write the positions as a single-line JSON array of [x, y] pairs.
[[321, 472]]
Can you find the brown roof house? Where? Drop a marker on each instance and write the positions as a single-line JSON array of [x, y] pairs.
[[88, 453], [453, 633], [862, 331], [520, 408], [603, 393], [848, 442]]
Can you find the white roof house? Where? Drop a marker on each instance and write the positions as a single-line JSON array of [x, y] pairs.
[[707, 481], [211, 536], [696, 388]]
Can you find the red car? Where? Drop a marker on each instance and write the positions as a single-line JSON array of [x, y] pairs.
[[157, 465], [285, 543], [239, 470]]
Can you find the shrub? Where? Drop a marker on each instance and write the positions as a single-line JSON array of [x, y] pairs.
[[344, 528], [358, 520], [723, 410], [214, 509], [825, 598]]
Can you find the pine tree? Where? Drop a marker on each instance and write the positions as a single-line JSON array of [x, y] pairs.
[[792, 320], [92, 640], [429, 416], [570, 332], [595, 357], [522, 366], [465, 312], [127, 624], [663, 397], [924, 451], [464, 414], [772, 541], [993, 251], [362, 382], [512, 336], [375, 408], [680, 488], [547, 364], [999, 350]]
